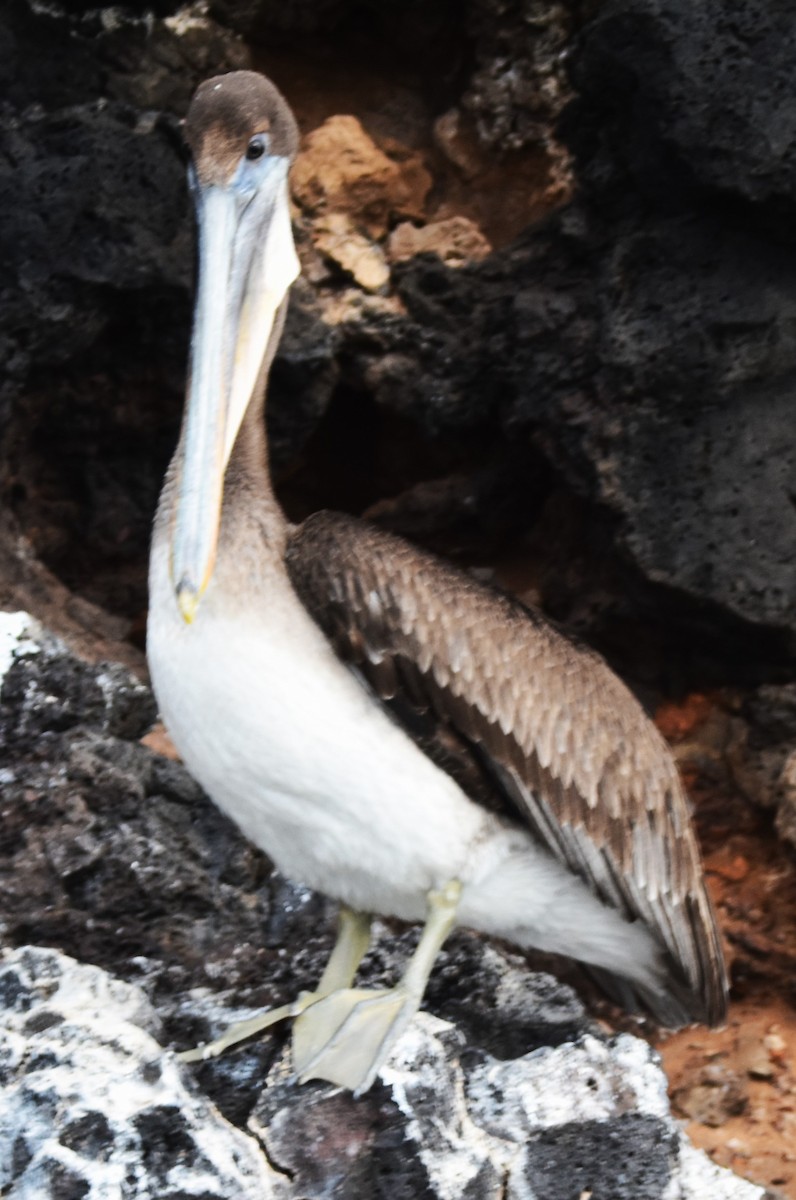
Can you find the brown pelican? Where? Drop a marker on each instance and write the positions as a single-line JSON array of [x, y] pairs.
[[390, 731]]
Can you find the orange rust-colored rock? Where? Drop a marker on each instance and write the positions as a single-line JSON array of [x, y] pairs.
[[730, 866], [342, 169], [159, 742], [676, 721], [456, 241], [713, 1094], [737, 1088], [455, 136], [336, 237]]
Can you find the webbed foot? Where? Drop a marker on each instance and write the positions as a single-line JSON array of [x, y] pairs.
[[352, 942], [345, 1037], [242, 1030], [344, 1034]]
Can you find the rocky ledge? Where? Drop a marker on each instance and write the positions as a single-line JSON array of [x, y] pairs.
[[157, 924], [93, 1107]]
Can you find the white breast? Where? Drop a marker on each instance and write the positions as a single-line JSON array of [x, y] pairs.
[[287, 742]]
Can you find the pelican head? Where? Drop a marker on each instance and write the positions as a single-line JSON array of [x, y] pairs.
[[243, 138]]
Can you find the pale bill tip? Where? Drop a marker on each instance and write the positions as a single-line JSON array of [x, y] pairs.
[[187, 600]]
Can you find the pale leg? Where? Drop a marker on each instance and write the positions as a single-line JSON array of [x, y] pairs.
[[352, 942], [346, 1036]]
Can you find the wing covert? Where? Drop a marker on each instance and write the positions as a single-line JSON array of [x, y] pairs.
[[518, 713]]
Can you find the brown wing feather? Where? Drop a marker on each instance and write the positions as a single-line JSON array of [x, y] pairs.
[[516, 711]]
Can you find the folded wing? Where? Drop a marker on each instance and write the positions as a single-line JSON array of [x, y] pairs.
[[528, 722]]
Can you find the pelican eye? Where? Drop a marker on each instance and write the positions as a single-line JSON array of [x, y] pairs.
[[256, 147]]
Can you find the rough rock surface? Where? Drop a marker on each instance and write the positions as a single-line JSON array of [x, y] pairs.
[[342, 170], [94, 823], [643, 339], [448, 1122], [91, 186], [337, 238], [456, 241], [691, 100], [91, 1106], [111, 854], [25, 584], [655, 367], [764, 764], [681, 144], [519, 87]]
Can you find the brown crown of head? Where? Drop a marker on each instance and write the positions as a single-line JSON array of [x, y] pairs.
[[226, 113]]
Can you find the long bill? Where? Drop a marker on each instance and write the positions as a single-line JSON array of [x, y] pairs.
[[247, 262]]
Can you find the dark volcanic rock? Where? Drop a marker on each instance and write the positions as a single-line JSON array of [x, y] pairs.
[[764, 763], [643, 341], [26, 585], [96, 254], [413, 29], [695, 392], [653, 363], [304, 17], [94, 201], [682, 134], [634, 1157], [303, 376], [91, 182], [681, 101], [519, 87]]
